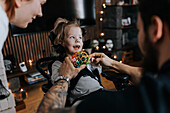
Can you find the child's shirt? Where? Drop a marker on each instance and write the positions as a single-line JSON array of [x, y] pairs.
[[86, 84]]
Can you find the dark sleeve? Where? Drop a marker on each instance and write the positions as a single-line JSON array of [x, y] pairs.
[[111, 102]]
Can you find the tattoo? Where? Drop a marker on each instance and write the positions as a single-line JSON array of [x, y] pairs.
[[55, 99]]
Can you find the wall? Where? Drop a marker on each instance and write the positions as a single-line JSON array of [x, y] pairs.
[[31, 46]]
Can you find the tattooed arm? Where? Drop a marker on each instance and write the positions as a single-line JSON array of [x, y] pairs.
[[55, 99]]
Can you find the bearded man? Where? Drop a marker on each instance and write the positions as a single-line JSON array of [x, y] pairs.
[[152, 92]]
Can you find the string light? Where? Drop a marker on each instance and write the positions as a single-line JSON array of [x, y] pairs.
[[22, 90], [30, 62], [104, 5], [101, 34], [101, 12], [101, 19], [97, 48], [115, 56]]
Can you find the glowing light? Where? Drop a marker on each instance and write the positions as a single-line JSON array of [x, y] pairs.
[[101, 12], [97, 48], [30, 62], [101, 19], [104, 47], [22, 90], [120, 61], [104, 5], [115, 56], [101, 34]]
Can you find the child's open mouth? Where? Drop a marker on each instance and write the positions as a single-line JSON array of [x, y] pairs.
[[76, 47]]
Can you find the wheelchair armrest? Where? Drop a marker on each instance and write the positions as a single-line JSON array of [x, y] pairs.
[[46, 62], [120, 80]]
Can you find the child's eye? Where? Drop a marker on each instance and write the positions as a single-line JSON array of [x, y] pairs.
[[72, 37], [80, 37]]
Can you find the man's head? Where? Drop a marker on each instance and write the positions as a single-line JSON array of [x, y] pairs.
[[153, 25], [22, 12]]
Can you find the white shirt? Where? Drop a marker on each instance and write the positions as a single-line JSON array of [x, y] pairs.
[[7, 104], [3, 35], [3, 27]]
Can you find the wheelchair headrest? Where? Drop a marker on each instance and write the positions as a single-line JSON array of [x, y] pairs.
[[52, 37]]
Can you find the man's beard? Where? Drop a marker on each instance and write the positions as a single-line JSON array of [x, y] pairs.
[[151, 56]]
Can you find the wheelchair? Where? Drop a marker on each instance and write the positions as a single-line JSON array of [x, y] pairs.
[[120, 80]]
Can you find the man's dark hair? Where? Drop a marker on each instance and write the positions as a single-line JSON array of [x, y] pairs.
[[149, 8]]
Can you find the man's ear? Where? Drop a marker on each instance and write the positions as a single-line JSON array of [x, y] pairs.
[[18, 3], [156, 28]]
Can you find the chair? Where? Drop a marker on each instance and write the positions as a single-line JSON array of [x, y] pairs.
[[44, 64], [120, 80]]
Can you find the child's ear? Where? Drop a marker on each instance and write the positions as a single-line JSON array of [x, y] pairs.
[[18, 3]]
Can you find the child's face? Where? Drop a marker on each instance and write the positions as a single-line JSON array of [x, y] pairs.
[[73, 39]]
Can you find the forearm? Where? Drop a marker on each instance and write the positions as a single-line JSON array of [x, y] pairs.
[[54, 98], [134, 72]]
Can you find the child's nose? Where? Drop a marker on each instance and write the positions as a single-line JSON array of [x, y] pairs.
[[77, 40]]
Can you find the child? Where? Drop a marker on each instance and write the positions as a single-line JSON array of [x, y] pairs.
[[69, 35]]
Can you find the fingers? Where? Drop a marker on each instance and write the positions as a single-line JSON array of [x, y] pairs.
[[77, 70], [97, 60], [68, 61], [70, 69], [95, 55], [81, 67]]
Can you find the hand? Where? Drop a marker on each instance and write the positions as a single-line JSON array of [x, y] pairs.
[[100, 59], [67, 69]]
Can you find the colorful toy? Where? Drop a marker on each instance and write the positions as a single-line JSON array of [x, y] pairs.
[[80, 58]]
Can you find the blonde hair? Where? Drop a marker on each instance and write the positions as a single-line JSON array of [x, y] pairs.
[[59, 28]]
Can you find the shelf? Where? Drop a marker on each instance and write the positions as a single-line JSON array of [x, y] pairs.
[[18, 72], [122, 27], [125, 5], [128, 5], [128, 27]]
